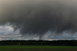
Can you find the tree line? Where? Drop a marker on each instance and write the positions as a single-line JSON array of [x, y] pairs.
[[40, 42]]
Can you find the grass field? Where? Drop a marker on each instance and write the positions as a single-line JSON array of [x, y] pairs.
[[38, 48]]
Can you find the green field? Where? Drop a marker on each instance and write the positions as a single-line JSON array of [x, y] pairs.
[[38, 48]]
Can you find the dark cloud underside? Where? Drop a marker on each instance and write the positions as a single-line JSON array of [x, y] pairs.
[[41, 17]]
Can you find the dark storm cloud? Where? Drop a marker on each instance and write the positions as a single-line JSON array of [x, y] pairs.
[[39, 17]]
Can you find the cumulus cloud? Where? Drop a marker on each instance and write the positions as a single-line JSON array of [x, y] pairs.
[[7, 32]]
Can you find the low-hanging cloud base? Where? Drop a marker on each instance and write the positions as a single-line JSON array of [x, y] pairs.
[[40, 16]]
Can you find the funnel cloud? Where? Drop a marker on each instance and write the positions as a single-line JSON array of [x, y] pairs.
[[40, 16]]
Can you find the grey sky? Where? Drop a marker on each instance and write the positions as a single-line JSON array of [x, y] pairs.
[[7, 32], [36, 19]]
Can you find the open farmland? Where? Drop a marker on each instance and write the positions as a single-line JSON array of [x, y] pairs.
[[32, 45], [38, 48]]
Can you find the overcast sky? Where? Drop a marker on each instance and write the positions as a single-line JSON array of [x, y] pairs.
[[7, 31]]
